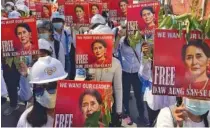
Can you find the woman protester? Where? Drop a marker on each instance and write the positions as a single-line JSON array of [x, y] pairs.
[[44, 76]]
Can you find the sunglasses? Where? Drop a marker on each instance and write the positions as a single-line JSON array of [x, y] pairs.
[[49, 87]]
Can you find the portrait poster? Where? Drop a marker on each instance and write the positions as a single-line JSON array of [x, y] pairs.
[[142, 17], [43, 11], [83, 104], [118, 9], [95, 8], [94, 51], [180, 67], [19, 37], [78, 13]]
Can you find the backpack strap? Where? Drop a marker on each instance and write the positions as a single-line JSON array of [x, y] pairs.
[[171, 108], [57, 48]]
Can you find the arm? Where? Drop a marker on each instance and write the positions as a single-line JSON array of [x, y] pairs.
[[164, 118], [117, 81]]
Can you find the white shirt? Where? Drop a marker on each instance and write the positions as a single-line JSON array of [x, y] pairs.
[[165, 119], [61, 54], [24, 123]]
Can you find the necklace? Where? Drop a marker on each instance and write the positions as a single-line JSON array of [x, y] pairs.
[[203, 86]]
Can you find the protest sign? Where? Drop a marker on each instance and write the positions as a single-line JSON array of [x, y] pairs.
[[118, 9], [43, 10], [83, 104], [180, 67], [78, 13], [95, 8], [19, 37], [142, 17], [94, 51]]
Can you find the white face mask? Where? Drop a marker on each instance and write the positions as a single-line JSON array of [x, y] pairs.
[[8, 8], [47, 100]]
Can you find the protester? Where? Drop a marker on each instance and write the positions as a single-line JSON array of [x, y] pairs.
[[23, 10], [45, 30], [44, 76], [192, 113], [9, 7], [64, 36]]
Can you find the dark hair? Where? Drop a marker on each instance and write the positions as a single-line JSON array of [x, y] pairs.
[[99, 41], [147, 8], [37, 117], [125, 1], [23, 25], [199, 44], [78, 6], [57, 20], [91, 92], [95, 5], [45, 6]]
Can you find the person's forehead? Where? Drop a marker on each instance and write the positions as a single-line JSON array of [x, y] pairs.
[[146, 11], [122, 3], [193, 49], [88, 98]]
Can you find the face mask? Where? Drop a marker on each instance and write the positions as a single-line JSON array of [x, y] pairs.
[[44, 36], [8, 8], [58, 25], [197, 107], [47, 100]]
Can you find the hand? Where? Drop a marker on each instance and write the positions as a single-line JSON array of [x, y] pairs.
[[23, 69], [180, 114], [145, 48]]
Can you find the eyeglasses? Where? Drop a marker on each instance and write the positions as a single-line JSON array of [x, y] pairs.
[[49, 87]]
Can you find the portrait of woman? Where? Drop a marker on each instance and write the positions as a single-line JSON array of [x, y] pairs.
[[80, 14], [46, 11], [123, 7], [23, 32], [94, 9], [90, 101], [99, 49], [196, 57], [148, 15]]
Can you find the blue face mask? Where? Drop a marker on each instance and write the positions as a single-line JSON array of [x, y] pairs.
[[44, 36], [58, 25], [197, 107]]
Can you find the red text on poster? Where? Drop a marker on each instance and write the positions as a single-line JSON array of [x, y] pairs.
[[94, 51], [83, 104], [19, 37], [180, 66]]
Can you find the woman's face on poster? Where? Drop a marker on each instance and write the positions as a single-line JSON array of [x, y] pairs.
[[95, 10], [99, 50], [196, 61], [123, 7], [46, 11], [79, 13], [23, 35], [147, 16], [89, 105]]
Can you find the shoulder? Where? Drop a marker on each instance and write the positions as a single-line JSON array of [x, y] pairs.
[[67, 31], [115, 63], [165, 118], [23, 121]]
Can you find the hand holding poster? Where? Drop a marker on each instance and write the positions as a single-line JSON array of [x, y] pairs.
[[83, 104], [19, 37], [94, 51], [142, 17], [180, 69]]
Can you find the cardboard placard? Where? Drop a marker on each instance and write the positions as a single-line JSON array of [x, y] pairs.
[[19, 37], [180, 69], [83, 104], [94, 51]]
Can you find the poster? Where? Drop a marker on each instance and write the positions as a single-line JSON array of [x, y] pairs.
[[118, 9], [19, 37], [95, 8], [142, 17], [77, 13], [180, 69], [43, 10], [94, 51], [83, 104]]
